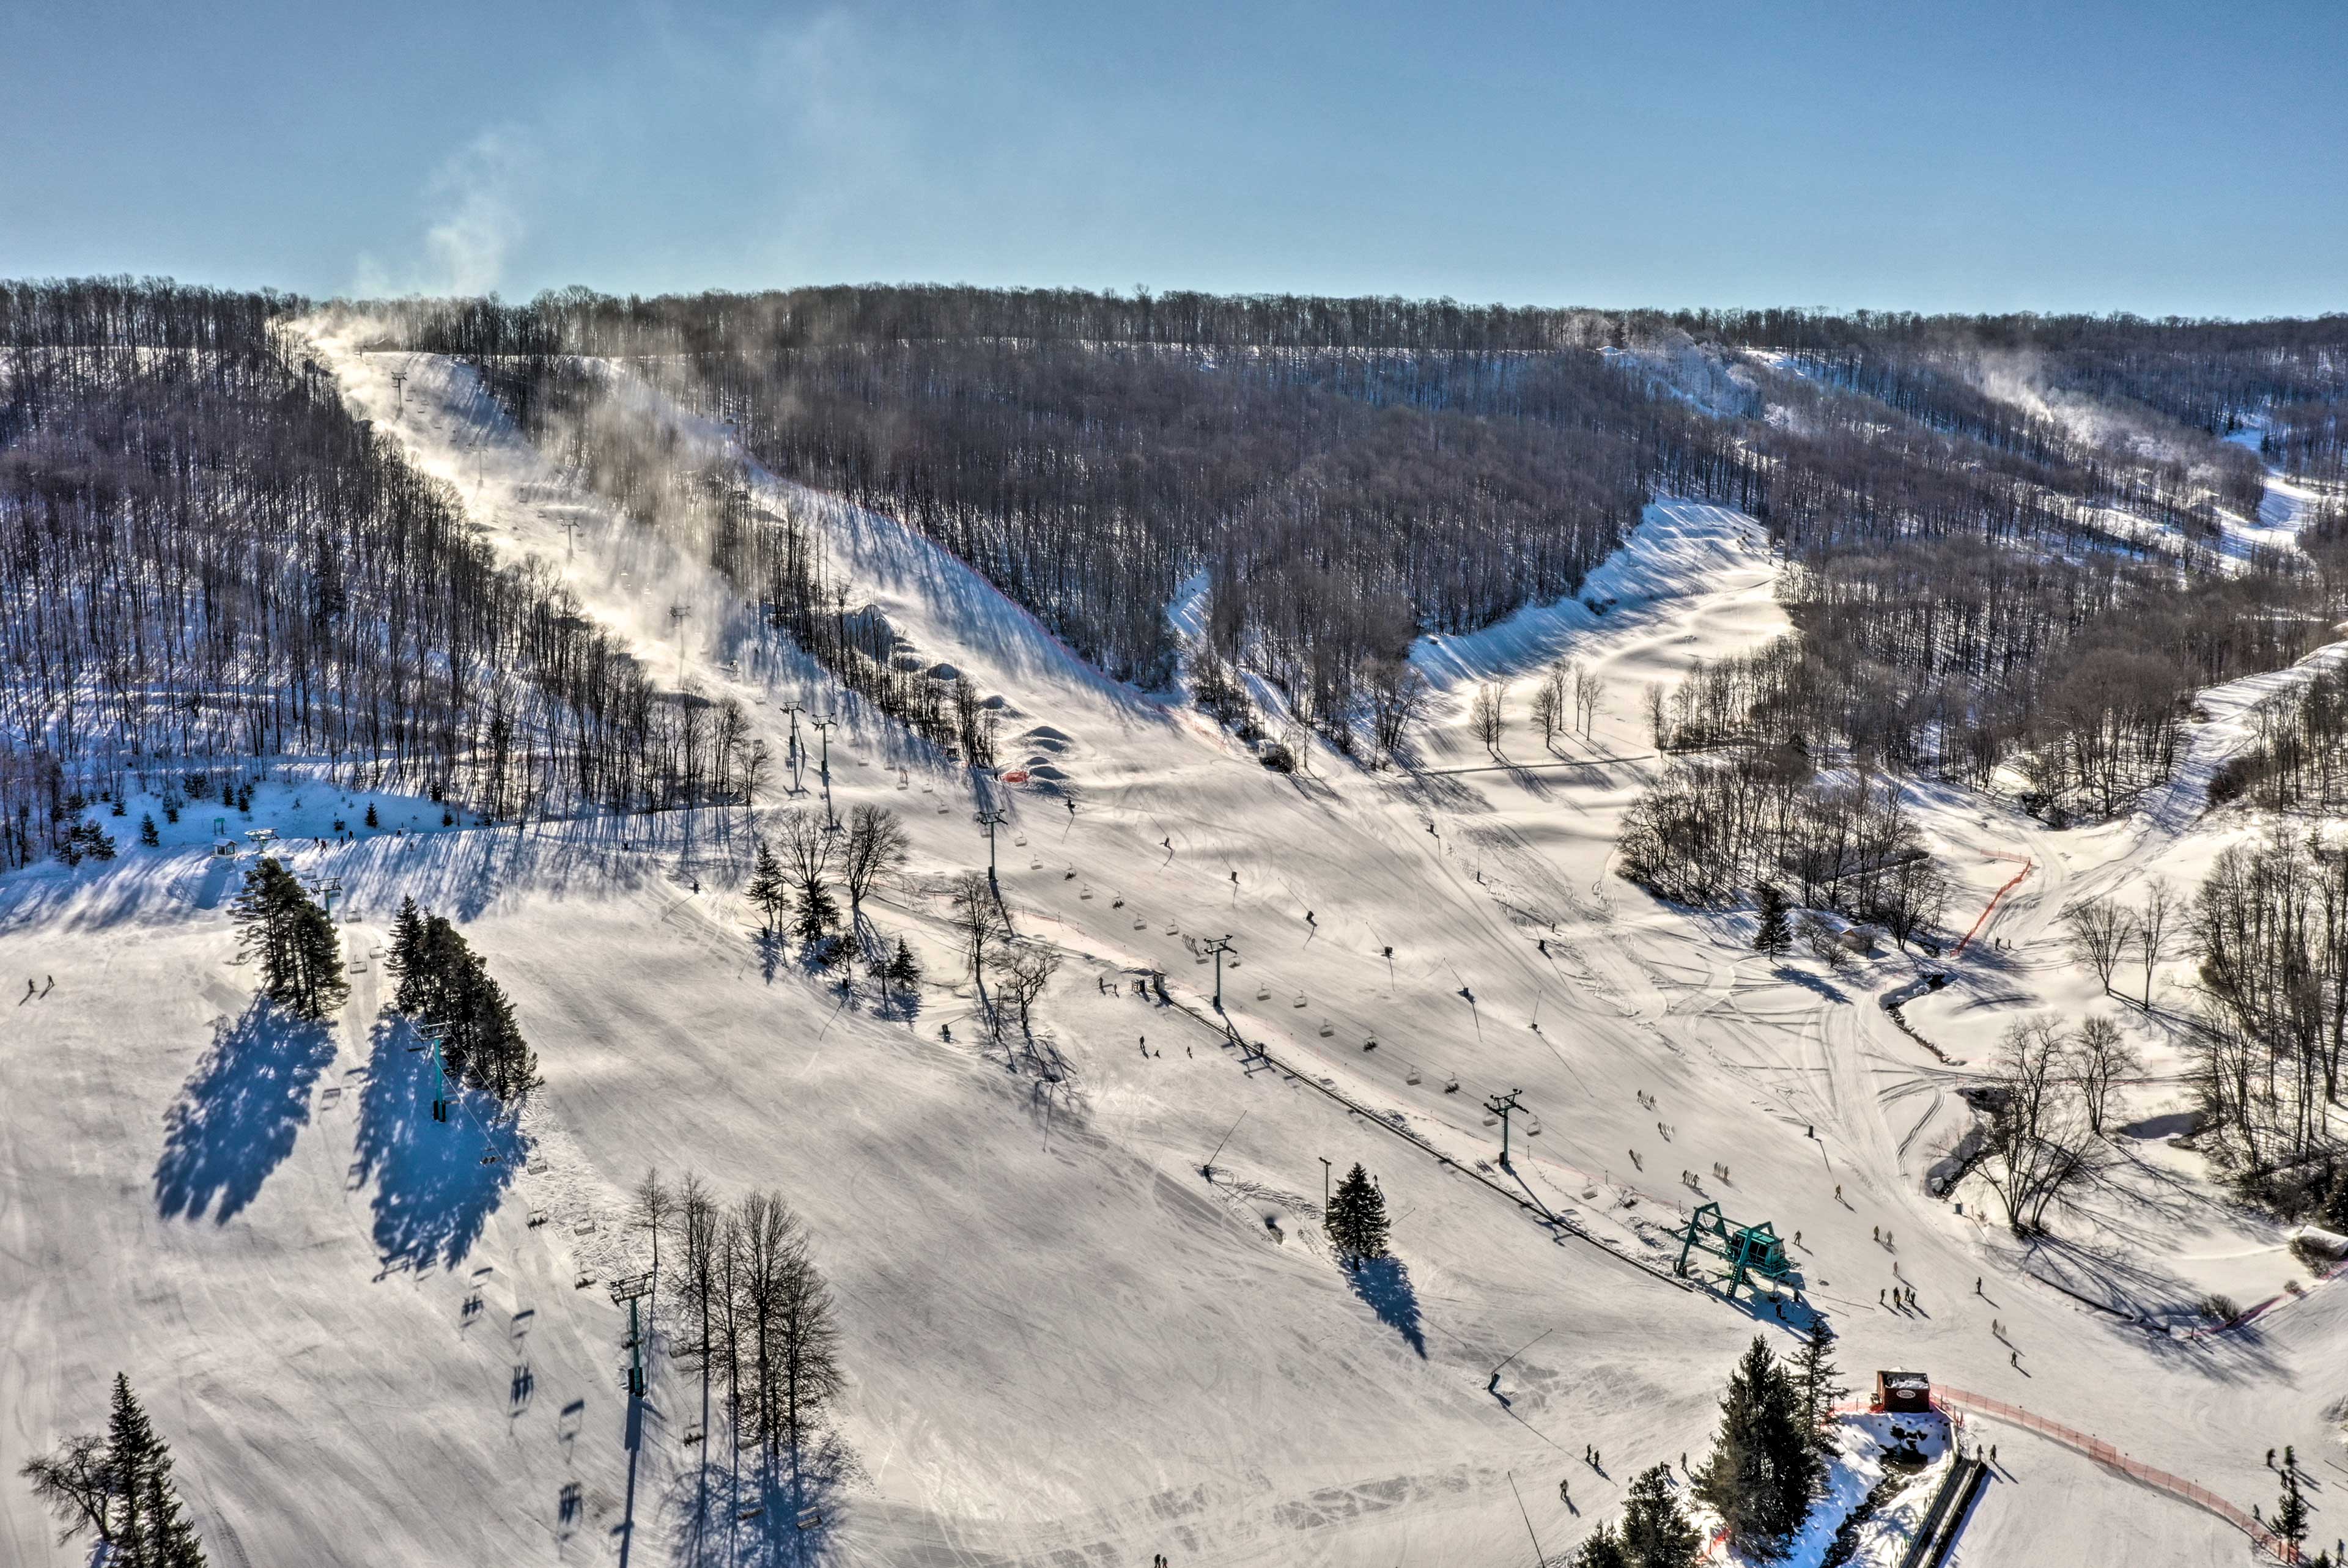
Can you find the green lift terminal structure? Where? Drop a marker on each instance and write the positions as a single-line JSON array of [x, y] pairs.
[[1747, 1256]]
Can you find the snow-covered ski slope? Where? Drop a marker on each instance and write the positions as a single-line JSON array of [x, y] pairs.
[[1067, 1343]]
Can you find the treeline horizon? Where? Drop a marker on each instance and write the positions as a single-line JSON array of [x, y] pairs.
[[2002, 530]]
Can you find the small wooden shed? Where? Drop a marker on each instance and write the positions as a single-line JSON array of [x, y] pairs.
[[1903, 1393]]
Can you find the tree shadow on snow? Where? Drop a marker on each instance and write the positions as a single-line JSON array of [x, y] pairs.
[[434, 1187], [1385, 1284], [236, 1118], [1809, 982], [721, 1519]]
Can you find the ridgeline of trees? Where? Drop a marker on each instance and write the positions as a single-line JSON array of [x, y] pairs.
[[204, 555], [1978, 506]]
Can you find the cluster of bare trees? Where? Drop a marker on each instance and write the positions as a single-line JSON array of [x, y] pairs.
[[1708, 832], [1021, 967], [2298, 758], [203, 555], [1567, 699], [2052, 1089], [744, 1303], [2271, 925], [1940, 658], [2107, 934], [797, 861]]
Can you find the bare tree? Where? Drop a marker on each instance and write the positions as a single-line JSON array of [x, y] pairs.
[[694, 1224], [978, 920], [1589, 691], [789, 1335], [75, 1478], [2105, 1057], [2100, 931], [650, 1208], [757, 762], [2154, 923], [1548, 704], [1650, 700], [875, 849], [1022, 970], [2039, 1141], [769, 1232], [1485, 716], [1397, 700], [808, 1358], [806, 845]]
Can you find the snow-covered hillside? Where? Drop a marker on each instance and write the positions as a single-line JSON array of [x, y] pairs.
[[1068, 1342]]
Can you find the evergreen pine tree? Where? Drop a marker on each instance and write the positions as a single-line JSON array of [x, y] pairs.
[[904, 971], [150, 1528], [2289, 1519], [147, 835], [129, 1447], [407, 941], [442, 979], [371, 820], [1602, 1549], [1657, 1532], [1815, 1374], [1774, 936], [301, 956], [1765, 1466], [1357, 1222], [819, 912], [768, 890]]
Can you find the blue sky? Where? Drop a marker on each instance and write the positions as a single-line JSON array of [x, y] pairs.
[[2154, 156]]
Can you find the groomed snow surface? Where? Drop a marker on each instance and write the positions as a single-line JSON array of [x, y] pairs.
[[1067, 1345]]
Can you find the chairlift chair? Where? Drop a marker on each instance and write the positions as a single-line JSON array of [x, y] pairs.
[[1327, 1029]]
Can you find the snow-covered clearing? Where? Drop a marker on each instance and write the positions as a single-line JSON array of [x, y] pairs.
[[1068, 1344]]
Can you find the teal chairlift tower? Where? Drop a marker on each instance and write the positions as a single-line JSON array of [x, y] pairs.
[[1748, 1255]]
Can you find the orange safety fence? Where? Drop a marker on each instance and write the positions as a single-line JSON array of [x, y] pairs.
[[2104, 1453], [2028, 865]]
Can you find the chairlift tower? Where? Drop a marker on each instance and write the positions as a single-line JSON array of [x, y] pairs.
[[326, 888], [432, 1034], [632, 1290], [569, 526], [990, 819], [825, 722], [1503, 1106], [798, 753], [1218, 946], [399, 393]]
